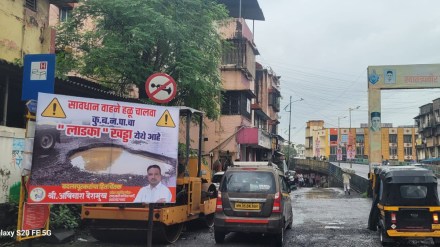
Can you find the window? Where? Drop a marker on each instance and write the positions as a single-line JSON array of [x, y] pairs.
[[360, 150], [413, 191], [407, 139], [333, 150], [260, 123], [65, 14], [408, 151], [393, 151], [31, 4], [359, 138], [245, 181], [217, 178], [284, 187], [231, 104], [236, 103], [274, 101], [393, 138]]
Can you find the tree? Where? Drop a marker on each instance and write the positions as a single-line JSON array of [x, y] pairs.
[[292, 152], [119, 42]]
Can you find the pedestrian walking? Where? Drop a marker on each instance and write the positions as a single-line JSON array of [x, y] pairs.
[[318, 180], [346, 180]]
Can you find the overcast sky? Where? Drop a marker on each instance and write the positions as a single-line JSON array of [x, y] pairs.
[[322, 48]]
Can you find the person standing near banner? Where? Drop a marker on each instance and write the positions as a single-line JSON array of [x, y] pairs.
[[155, 191]]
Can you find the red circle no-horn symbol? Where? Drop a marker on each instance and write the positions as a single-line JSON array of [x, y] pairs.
[[160, 88]]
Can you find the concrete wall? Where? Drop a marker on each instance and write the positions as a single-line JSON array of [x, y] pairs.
[[23, 31], [12, 141], [334, 173]]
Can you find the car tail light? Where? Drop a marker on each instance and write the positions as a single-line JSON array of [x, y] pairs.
[[277, 203], [435, 218], [393, 217], [218, 204]]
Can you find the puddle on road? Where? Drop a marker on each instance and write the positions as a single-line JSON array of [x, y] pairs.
[[319, 194], [116, 160]]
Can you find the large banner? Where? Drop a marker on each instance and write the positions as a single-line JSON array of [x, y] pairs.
[[404, 76], [99, 151]]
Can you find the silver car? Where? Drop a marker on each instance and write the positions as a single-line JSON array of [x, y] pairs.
[[217, 178]]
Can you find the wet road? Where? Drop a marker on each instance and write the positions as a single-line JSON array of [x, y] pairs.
[[323, 217]]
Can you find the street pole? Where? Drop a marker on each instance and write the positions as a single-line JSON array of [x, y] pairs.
[[290, 121], [349, 129], [338, 145]]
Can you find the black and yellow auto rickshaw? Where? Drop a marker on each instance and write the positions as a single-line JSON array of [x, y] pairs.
[[405, 204]]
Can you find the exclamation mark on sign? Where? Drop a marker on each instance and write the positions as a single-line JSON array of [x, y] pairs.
[[166, 119], [54, 107]]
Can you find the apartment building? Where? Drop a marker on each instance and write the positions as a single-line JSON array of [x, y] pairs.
[[248, 127], [398, 143], [25, 30], [428, 129]]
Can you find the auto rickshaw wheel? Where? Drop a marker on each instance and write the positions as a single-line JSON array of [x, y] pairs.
[[436, 241], [385, 240]]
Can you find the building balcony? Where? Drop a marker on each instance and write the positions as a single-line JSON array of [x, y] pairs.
[[63, 3], [255, 137], [256, 106]]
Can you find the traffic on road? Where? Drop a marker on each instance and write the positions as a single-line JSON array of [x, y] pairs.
[[322, 217]]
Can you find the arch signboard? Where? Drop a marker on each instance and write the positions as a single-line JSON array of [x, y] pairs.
[[389, 77]]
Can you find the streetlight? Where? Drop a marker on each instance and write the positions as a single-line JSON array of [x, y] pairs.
[[290, 121], [349, 112], [349, 129], [338, 147]]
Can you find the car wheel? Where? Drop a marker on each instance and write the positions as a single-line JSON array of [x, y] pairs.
[[279, 238], [46, 142], [219, 236], [289, 226], [209, 220]]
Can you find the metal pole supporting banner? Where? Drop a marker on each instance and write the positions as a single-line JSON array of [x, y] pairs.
[[150, 225]]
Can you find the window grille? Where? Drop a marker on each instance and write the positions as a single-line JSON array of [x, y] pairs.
[[31, 4]]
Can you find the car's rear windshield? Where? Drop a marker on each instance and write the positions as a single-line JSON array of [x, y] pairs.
[[249, 181]]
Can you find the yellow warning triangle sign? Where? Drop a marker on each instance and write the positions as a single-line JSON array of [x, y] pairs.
[[166, 120], [54, 110]]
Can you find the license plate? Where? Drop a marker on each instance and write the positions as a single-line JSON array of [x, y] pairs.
[[247, 205], [435, 226]]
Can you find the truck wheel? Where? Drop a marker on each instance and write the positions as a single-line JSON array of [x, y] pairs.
[[219, 236]]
